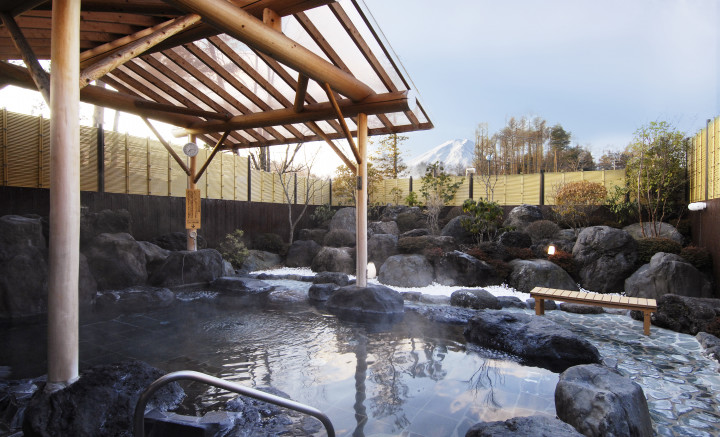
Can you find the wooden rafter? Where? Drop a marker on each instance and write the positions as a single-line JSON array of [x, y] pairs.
[[341, 119], [39, 76], [215, 149], [167, 146]]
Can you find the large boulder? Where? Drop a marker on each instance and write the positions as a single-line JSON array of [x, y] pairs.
[[530, 426], [372, 301], [322, 292], [87, 285], [154, 255], [340, 238], [520, 216], [389, 227], [301, 253], [455, 229], [101, 402], [344, 219], [266, 242], [667, 273], [515, 239], [458, 268], [23, 267], [334, 259], [664, 230], [380, 247], [116, 261], [710, 343], [475, 299], [406, 271], [134, 299], [685, 314], [188, 267], [177, 241], [337, 278], [606, 257], [531, 273], [536, 340], [424, 243], [239, 285], [106, 221], [600, 402], [261, 260]]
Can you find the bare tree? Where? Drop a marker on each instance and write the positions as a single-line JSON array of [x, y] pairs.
[[290, 171], [486, 160]]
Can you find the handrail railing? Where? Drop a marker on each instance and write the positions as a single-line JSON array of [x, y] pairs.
[[139, 417]]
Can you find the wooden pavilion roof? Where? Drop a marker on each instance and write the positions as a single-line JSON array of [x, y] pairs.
[[266, 71]]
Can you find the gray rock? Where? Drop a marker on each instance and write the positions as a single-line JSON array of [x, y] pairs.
[[434, 299], [549, 305], [344, 219], [528, 274], [87, 285], [134, 299], [685, 314], [458, 268], [515, 239], [334, 259], [316, 235], [228, 269], [266, 242], [390, 212], [606, 257], [413, 218], [520, 216], [381, 247], [340, 238], [322, 292], [511, 302], [188, 267], [475, 299], [531, 426], [336, 278], [301, 253], [536, 340], [406, 271], [664, 230], [415, 233], [372, 301], [177, 241], [106, 221], [116, 261], [23, 267], [577, 308], [423, 243], [600, 402], [667, 273], [710, 343], [455, 229], [261, 260], [241, 285], [388, 227], [154, 255], [443, 313], [287, 296], [101, 402]]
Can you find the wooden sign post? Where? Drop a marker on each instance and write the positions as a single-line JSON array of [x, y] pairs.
[[192, 209]]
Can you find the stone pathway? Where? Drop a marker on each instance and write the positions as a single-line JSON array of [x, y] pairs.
[[681, 384]]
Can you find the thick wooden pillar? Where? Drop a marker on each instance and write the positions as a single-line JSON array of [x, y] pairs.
[[64, 253], [361, 203]]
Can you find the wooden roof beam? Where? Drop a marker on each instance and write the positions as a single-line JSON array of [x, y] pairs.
[[344, 125], [301, 92], [376, 104], [38, 74], [109, 63], [253, 32]]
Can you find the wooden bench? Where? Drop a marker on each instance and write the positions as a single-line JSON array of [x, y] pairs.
[[647, 306]]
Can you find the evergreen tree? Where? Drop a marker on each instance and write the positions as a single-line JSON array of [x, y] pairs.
[[387, 158]]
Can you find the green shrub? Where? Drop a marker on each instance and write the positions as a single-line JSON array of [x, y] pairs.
[[542, 230], [647, 247], [322, 215], [233, 249], [484, 219], [697, 256], [618, 203], [412, 199]]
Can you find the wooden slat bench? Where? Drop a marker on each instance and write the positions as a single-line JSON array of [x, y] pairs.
[[647, 306]]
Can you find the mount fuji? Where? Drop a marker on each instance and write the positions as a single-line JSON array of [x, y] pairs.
[[453, 154]]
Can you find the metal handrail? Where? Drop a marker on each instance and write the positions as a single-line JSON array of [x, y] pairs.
[[139, 417]]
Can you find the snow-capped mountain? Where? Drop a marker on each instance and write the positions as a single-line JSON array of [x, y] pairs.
[[452, 154]]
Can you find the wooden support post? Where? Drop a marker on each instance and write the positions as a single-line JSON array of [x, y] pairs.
[[100, 138], [170, 150], [192, 185], [109, 63], [64, 250], [319, 132], [539, 306], [646, 322], [39, 76], [272, 19], [204, 167], [301, 92], [343, 124], [361, 204]]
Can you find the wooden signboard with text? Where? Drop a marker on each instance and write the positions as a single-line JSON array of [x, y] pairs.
[[192, 209]]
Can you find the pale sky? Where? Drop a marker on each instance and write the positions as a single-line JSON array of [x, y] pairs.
[[601, 68]]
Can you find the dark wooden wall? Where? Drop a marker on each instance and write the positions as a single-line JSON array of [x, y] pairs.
[[153, 216], [706, 233]]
